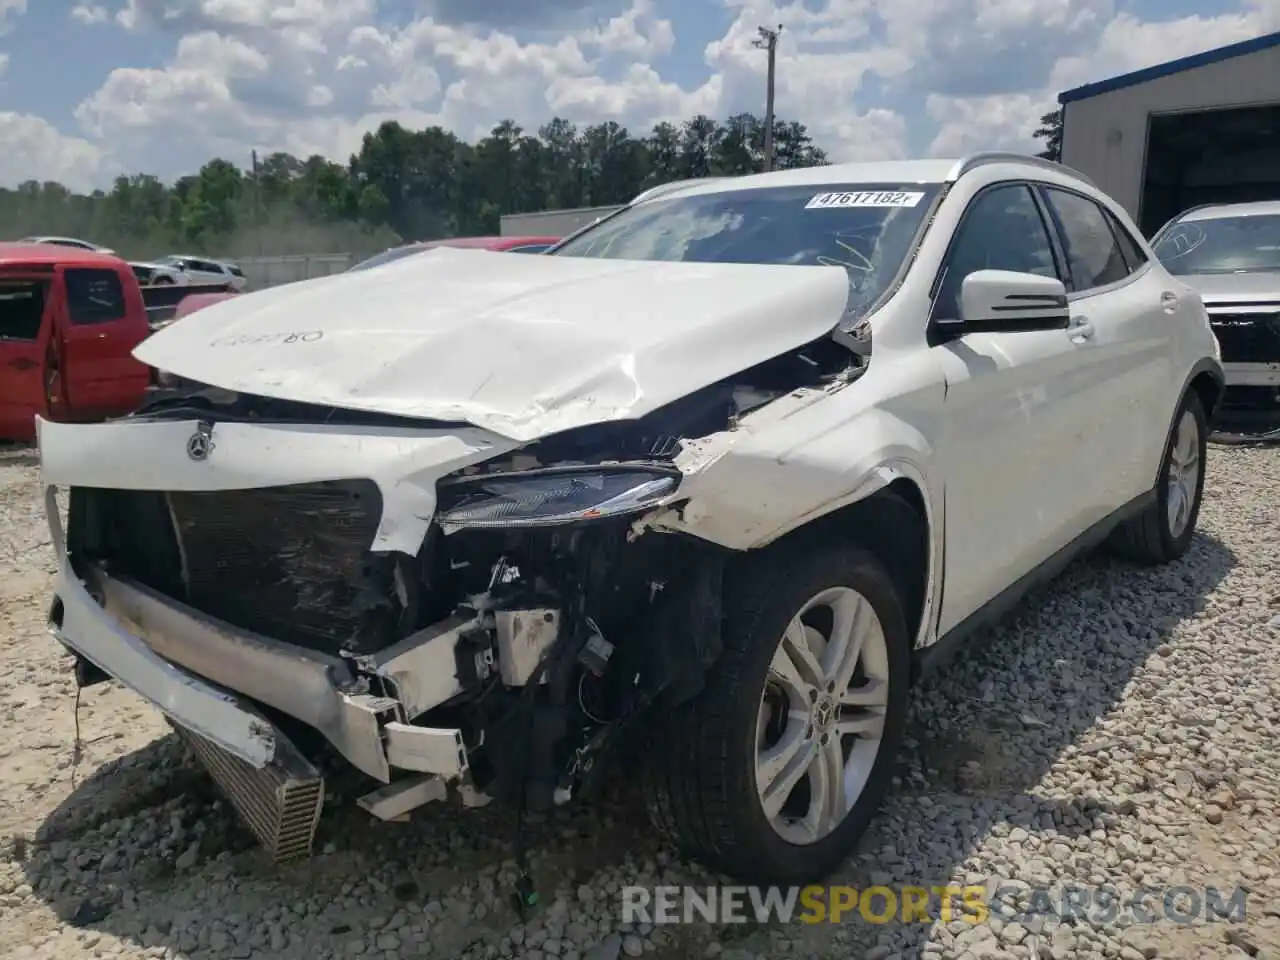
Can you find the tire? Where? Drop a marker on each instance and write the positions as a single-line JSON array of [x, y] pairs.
[[164, 281], [700, 769], [1155, 536]]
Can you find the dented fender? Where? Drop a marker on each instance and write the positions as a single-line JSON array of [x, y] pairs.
[[802, 458]]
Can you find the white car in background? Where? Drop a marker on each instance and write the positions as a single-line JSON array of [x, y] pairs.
[[69, 242], [1230, 253], [147, 273], [717, 479], [151, 274], [202, 270]]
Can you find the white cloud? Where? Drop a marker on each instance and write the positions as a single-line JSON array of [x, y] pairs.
[[1120, 44], [35, 150], [89, 14], [870, 79], [10, 11]]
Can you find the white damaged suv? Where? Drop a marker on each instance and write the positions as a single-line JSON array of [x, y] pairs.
[[700, 492]]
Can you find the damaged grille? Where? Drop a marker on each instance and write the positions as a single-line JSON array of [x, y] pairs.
[[292, 562], [1247, 333]]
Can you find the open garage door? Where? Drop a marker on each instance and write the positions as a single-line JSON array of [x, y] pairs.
[[1211, 156]]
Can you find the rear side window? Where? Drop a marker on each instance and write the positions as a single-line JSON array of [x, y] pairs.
[[94, 296], [1094, 258], [1132, 250], [22, 309]]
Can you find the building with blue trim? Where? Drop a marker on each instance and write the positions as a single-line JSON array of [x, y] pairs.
[[1201, 129]]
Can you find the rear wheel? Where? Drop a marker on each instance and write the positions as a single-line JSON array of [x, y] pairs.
[[1163, 531], [777, 768], [164, 281]]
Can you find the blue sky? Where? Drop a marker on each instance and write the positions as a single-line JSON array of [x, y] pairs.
[[93, 88]]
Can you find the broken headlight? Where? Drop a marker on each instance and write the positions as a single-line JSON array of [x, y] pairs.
[[558, 495]]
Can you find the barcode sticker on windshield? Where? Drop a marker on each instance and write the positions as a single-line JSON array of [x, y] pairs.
[[864, 198]]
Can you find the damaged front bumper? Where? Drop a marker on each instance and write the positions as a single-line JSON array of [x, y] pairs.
[[222, 683], [186, 664], [237, 576]]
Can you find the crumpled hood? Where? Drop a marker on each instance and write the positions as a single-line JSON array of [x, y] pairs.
[[520, 346], [1229, 287]]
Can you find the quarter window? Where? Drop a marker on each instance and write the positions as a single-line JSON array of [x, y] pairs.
[[94, 296], [1001, 230], [1132, 250], [21, 309], [1094, 257]]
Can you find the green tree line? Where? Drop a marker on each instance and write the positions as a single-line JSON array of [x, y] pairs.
[[402, 185]]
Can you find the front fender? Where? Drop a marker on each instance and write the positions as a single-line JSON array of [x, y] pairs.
[[745, 488]]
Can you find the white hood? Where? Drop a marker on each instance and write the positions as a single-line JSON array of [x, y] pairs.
[[520, 346]]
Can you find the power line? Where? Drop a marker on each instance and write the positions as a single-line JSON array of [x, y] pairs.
[[768, 41]]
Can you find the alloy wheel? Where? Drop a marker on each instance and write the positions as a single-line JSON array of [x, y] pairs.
[[821, 717]]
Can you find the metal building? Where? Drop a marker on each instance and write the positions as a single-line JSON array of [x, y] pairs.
[[1202, 129], [550, 223]]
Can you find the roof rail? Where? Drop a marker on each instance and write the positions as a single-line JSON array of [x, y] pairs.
[[975, 160], [664, 188]]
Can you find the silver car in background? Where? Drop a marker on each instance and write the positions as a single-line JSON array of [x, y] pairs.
[[1230, 254]]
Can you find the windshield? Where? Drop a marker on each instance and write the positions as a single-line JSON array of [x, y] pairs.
[[387, 256], [1221, 245], [866, 228]]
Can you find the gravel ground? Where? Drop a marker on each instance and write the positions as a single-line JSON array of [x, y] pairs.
[[1119, 730]]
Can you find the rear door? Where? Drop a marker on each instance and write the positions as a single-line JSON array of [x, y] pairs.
[[1125, 316], [26, 325], [205, 272], [101, 320]]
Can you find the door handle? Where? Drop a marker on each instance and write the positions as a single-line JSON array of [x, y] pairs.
[[1169, 301], [22, 363], [1079, 329]]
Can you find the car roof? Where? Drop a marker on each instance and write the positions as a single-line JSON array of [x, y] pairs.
[[938, 170], [1256, 208], [48, 254]]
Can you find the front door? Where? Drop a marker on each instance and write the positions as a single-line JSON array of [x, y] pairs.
[[1014, 449]]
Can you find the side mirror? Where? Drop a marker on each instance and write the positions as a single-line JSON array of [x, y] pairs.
[[1000, 301]]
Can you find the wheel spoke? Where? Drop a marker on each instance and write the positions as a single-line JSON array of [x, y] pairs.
[[827, 804], [872, 693], [780, 768], [868, 724], [851, 620], [794, 667]]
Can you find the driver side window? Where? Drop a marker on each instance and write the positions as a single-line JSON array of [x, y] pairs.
[[1001, 230]]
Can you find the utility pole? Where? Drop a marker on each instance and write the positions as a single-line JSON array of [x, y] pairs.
[[768, 41], [257, 202]]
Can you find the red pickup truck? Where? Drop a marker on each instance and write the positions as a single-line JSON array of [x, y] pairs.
[[69, 321]]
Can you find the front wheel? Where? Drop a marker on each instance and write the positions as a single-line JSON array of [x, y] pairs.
[[773, 773], [1163, 531]]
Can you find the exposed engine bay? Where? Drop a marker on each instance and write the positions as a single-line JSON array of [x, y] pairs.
[[535, 622]]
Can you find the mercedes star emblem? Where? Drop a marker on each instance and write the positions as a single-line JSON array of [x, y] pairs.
[[201, 443]]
